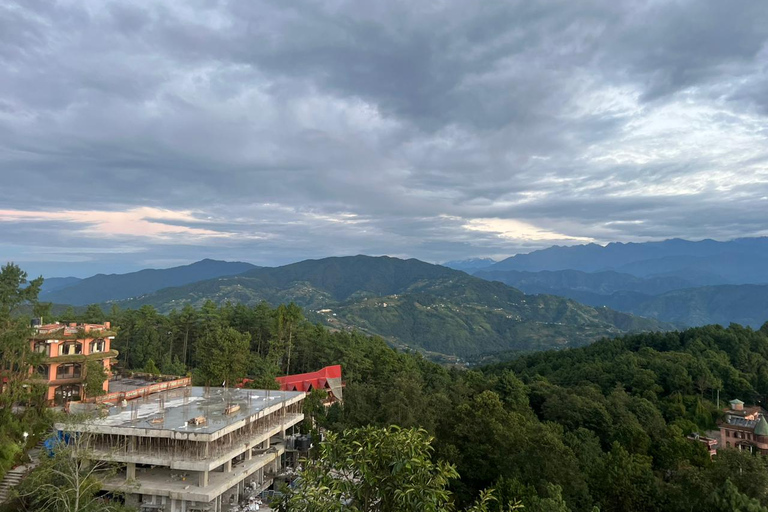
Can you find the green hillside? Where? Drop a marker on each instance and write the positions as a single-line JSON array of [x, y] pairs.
[[428, 307], [745, 304]]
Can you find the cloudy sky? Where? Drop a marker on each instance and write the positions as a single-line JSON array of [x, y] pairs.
[[156, 133]]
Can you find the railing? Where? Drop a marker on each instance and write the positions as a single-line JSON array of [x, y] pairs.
[[68, 375], [179, 450], [118, 396]]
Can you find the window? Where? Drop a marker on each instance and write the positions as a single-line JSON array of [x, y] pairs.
[[98, 346], [68, 371], [41, 347], [43, 371], [71, 349]]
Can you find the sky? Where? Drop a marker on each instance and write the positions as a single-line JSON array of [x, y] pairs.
[[157, 133]]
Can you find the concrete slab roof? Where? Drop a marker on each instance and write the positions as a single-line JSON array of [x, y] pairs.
[[172, 410]]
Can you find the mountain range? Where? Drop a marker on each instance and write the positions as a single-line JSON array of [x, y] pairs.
[[556, 297], [469, 265], [705, 262], [411, 303], [687, 283]]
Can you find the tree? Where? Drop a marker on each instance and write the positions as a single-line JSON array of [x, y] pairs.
[[70, 481], [15, 352], [227, 357], [93, 314], [95, 375], [151, 368], [625, 482], [729, 498], [379, 470], [16, 362], [374, 470], [288, 317]]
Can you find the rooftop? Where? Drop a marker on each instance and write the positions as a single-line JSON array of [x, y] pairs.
[[740, 422], [171, 411], [72, 330], [122, 384]]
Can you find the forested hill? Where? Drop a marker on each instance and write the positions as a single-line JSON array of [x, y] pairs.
[[411, 303], [696, 361], [103, 288], [667, 299]]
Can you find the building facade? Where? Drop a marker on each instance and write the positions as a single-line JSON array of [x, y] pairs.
[[193, 449], [744, 428], [66, 350]]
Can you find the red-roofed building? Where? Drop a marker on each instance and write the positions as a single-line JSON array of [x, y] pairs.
[[329, 379]]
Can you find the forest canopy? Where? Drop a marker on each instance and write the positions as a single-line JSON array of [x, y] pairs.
[[599, 427], [604, 426]]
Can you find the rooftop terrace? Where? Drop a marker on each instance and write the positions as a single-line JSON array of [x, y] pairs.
[[72, 330]]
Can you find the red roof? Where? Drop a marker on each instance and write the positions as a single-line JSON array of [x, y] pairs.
[[308, 381]]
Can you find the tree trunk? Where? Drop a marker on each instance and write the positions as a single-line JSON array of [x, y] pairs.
[[186, 338], [290, 345]]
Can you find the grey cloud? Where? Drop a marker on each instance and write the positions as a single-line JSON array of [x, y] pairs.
[[415, 118]]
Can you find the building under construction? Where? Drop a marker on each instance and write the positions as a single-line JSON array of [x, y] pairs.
[[194, 449]]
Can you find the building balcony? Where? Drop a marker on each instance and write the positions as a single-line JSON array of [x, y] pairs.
[[191, 458], [66, 379], [179, 485], [81, 358]]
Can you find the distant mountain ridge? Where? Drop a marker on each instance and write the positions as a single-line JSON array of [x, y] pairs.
[[687, 283], [51, 284], [104, 288], [412, 303], [558, 282], [705, 262], [469, 265]]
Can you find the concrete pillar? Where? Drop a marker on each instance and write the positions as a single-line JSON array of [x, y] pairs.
[[228, 466], [249, 454], [202, 479], [130, 471]]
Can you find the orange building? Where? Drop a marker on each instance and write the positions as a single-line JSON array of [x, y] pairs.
[[67, 349]]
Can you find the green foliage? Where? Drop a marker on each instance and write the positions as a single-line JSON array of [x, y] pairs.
[[93, 314], [70, 481], [16, 361], [172, 366], [728, 497], [377, 470], [599, 426], [95, 376], [151, 367], [227, 360]]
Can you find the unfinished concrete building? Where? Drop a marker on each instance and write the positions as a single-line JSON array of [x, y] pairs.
[[194, 449]]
